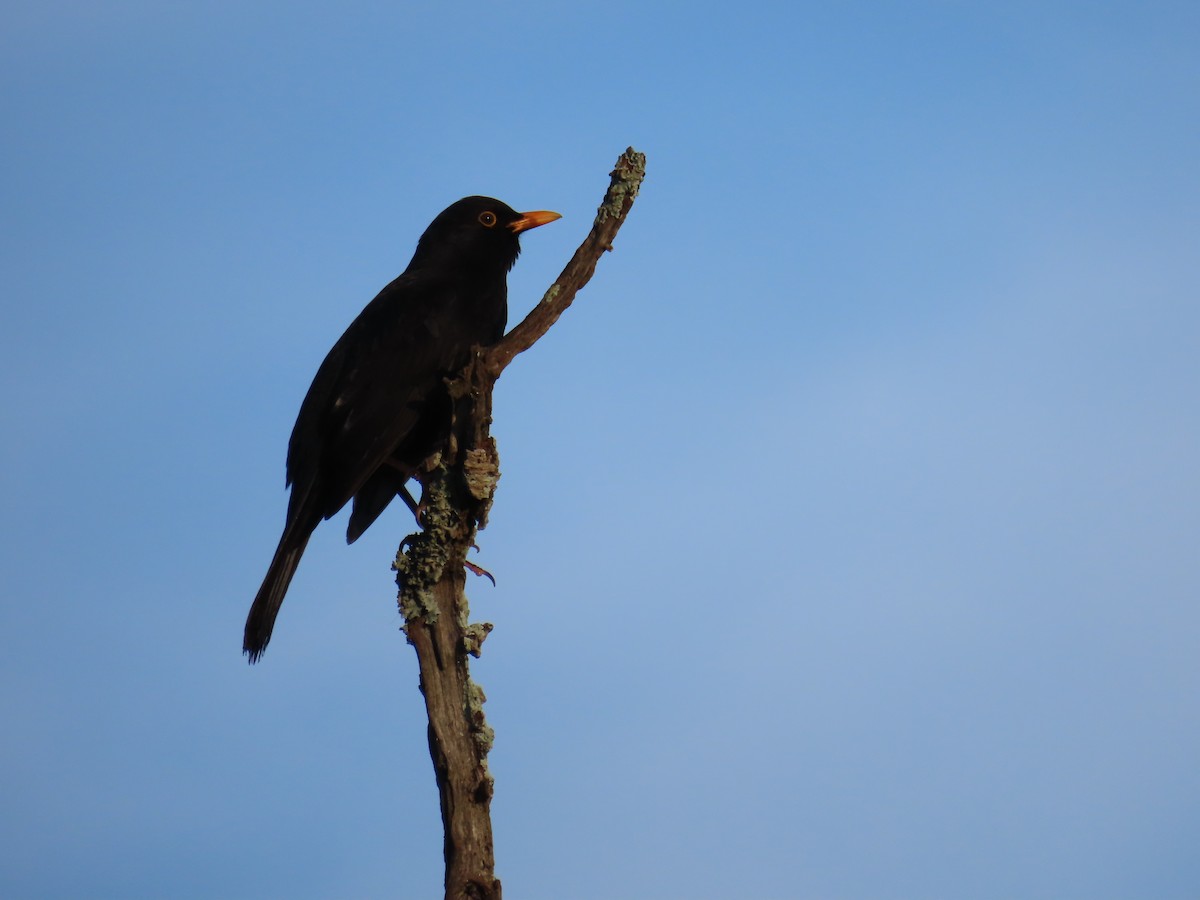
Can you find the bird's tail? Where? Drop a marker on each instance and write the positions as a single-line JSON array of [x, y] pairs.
[[269, 599]]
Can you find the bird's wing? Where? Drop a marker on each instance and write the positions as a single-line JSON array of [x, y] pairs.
[[369, 392]]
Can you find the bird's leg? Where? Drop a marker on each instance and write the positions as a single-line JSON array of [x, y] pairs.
[[403, 493], [418, 509]]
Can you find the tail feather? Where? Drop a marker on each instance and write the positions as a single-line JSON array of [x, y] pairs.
[[261, 620]]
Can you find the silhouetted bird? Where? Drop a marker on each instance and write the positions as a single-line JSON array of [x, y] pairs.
[[378, 405]]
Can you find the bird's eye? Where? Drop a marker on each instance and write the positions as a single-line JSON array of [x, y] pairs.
[[487, 219]]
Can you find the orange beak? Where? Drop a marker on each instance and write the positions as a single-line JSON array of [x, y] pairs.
[[533, 220]]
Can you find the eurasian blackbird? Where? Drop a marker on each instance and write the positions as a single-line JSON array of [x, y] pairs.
[[378, 405]]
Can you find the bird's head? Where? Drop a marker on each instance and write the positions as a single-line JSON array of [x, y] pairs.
[[477, 235]]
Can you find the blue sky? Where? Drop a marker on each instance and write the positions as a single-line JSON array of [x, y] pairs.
[[846, 540]]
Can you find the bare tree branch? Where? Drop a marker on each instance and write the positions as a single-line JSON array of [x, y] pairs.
[[618, 200], [458, 490]]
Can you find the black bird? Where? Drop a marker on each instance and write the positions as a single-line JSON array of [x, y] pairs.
[[378, 405]]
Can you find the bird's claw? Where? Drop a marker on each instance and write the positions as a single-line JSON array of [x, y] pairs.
[[480, 570]]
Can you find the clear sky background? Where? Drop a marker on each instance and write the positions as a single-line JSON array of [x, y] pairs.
[[847, 542]]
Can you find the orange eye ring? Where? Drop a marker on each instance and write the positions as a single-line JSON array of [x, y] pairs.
[[487, 219]]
